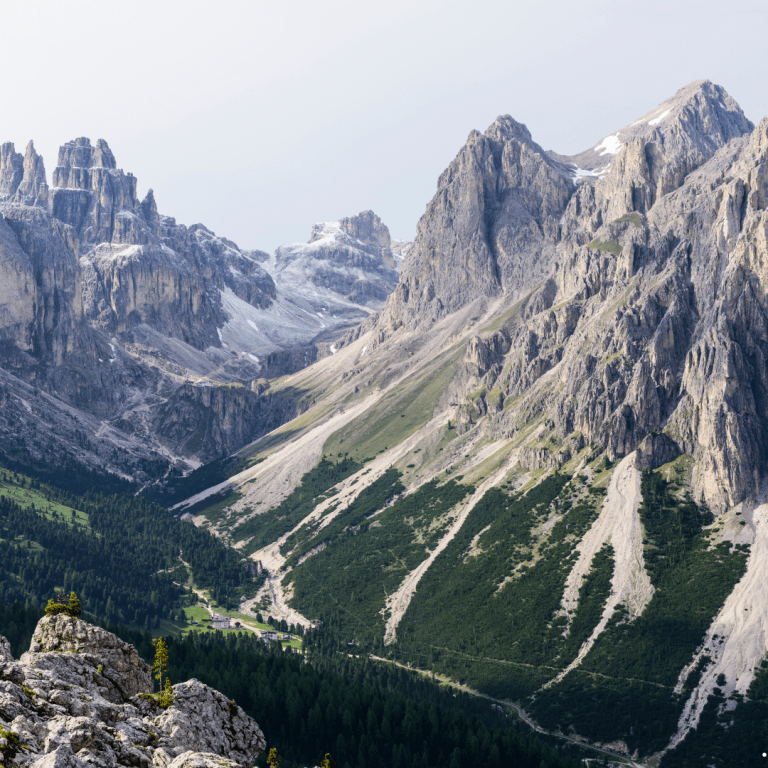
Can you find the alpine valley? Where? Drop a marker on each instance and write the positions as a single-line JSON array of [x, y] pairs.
[[527, 452]]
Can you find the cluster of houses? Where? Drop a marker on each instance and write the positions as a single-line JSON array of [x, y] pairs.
[[225, 622]]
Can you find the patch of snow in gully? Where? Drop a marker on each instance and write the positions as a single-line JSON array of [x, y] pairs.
[[610, 145], [657, 120]]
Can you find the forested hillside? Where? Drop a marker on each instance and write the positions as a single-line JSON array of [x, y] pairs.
[[120, 553], [366, 714]]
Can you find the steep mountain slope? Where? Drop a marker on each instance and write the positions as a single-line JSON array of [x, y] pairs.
[[539, 466]]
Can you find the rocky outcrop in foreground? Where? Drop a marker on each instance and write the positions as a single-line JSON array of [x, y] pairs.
[[80, 696]]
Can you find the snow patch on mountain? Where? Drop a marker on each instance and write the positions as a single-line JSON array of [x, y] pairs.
[[657, 120], [254, 331], [610, 145]]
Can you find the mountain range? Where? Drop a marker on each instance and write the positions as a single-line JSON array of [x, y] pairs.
[[141, 343], [533, 458]]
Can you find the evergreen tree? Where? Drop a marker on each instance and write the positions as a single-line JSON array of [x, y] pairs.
[[166, 697], [52, 609], [74, 608], [160, 665]]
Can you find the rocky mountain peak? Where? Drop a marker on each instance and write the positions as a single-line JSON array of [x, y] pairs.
[[89, 192], [22, 179], [698, 119], [491, 227], [82, 697], [366, 227], [33, 189], [347, 266], [80, 154], [506, 128], [504, 206], [11, 170], [149, 210]]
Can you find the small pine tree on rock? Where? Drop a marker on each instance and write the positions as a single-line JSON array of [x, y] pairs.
[[71, 608], [328, 762], [160, 664], [166, 697], [52, 609], [273, 761], [74, 608]]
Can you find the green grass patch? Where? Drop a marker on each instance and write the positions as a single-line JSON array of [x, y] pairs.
[[16, 487], [402, 411], [610, 246], [633, 217]]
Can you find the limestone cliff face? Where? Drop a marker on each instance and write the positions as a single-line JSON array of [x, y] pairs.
[[22, 179], [79, 697], [90, 194], [90, 273], [652, 317], [211, 421], [139, 267], [490, 229]]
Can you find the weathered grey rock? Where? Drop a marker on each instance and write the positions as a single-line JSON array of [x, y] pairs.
[[33, 189], [9, 669], [346, 267], [211, 421], [89, 193], [490, 229], [121, 665], [200, 760], [62, 757], [182, 727], [82, 705], [11, 170], [631, 299], [655, 450]]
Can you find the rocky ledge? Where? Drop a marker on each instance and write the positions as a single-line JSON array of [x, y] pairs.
[[79, 697]]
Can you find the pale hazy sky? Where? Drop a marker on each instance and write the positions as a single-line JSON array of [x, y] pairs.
[[260, 118]]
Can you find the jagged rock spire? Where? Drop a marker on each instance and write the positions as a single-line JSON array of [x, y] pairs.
[[33, 189], [11, 170]]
